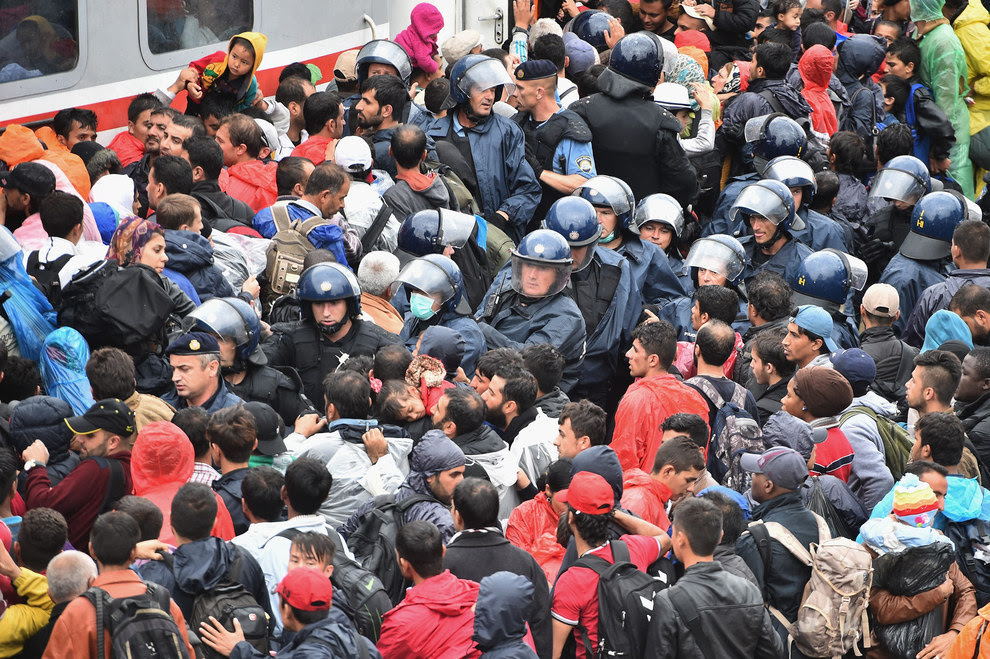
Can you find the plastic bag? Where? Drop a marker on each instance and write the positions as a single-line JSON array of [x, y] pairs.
[[29, 312], [907, 639], [913, 570], [63, 368], [818, 502], [250, 251]]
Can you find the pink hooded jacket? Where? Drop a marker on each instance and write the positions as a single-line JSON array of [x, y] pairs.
[[31, 235], [419, 39]]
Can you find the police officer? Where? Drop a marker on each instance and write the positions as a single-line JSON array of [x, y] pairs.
[[331, 330], [378, 57], [659, 219], [614, 204], [590, 26], [558, 142], [195, 361], [455, 235], [827, 279], [923, 257], [435, 291], [819, 232], [528, 304], [601, 284], [487, 151], [623, 113], [243, 363], [768, 208]]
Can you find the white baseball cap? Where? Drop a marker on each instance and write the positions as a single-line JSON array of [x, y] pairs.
[[353, 154]]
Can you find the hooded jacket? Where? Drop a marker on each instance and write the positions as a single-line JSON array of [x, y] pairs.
[[191, 255], [894, 359], [43, 417], [552, 404], [127, 147], [752, 103], [212, 68], [500, 616], [420, 39], [434, 621], [859, 57], [936, 298], [911, 277], [253, 182], [446, 336], [330, 638], [815, 67], [533, 526], [404, 200], [162, 461], [971, 28], [945, 326], [975, 417], [645, 497]]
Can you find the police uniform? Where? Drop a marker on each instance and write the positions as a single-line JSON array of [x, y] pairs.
[[279, 390], [200, 343], [786, 260], [910, 277], [652, 271]]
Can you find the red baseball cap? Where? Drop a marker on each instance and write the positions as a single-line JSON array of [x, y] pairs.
[[306, 589], [588, 493]]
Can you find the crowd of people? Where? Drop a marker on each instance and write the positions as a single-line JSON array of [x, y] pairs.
[[658, 330]]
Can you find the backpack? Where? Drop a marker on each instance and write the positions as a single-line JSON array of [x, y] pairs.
[[971, 541], [366, 599], [226, 601], [734, 432], [140, 626], [45, 275], [121, 307], [833, 614], [625, 604], [288, 248], [896, 441], [373, 542], [458, 193]]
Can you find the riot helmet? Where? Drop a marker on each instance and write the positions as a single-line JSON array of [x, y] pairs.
[[636, 62], [383, 51], [436, 276], [326, 282], [769, 199], [661, 209], [430, 231], [720, 253], [933, 221], [772, 136], [794, 173], [232, 319], [474, 73], [612, 192], [827, 276], [576, 220], [903, 178], [590, 26], [541, 264]]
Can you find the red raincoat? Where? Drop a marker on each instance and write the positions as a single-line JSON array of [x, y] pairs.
[[533, 527], [127, 147], [253, 182], [645, 497], [314, 148], [815, 68]]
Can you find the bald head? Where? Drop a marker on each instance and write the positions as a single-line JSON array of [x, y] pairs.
[[408, 146], [69, 575], [715, 343]]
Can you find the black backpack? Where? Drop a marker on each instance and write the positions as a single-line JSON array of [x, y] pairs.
[[971, 540], [141, 626], [365, 601], [625, 604], [373, 543], [226, 601], [121, 307], [45, 275]]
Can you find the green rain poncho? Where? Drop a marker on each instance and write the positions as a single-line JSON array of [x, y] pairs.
[[943, 69]]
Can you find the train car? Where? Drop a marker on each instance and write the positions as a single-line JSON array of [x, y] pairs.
[[99, 54]]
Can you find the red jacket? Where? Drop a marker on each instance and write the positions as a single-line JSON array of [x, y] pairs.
[[434, 621], [314, 148], [127, 147], [533, 527], [815, 68], [253, 182], [834, 456], [647, 404], [646, 497], [78, 496]]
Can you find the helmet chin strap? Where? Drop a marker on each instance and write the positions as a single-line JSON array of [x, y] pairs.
[[237, 367], [777, 235], [331, 329], [472, 117]]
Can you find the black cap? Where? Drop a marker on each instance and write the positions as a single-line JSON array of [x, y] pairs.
[[271, 429], [87, 149], [194, 343], [30, 178], [536, 69], [437, 96], [110, 414]]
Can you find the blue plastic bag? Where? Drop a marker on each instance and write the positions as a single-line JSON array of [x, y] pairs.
[[63, 368], [28, 310]]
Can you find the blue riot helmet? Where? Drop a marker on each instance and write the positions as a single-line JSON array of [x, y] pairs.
[[577, 221], [794, 173], [720, 253], [476, 73], [661, 209], [383, 51], [541, 264], [827, 276], [436, 276], [590, 26], [232, 319], [772, 136], [637, 58], [430, 231], [933, 221], [770, 199], [903, 178], [612, 192], [326, 282]]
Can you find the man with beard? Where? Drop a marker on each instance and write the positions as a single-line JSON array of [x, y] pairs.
[[161, 119], [972, 304], [379, 112]]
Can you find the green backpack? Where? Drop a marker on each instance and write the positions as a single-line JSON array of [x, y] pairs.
[[896, 441]]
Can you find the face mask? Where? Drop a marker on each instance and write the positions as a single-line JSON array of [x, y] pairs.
[[604, 240], [421, 306]]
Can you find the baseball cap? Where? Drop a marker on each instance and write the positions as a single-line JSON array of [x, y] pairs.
[[882, 300], [855, 365], [693, 13], [580, 54], [30, 178], [306, 589], [353, 154], [194, 343], [784, 466], [110, 414], [270, 427], [817, 321], [345, 68], [588, 493]]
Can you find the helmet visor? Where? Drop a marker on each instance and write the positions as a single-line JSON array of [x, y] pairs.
[[857, 271], [485, 75], [455, 228], [791, 172], [427, 277], [385, 52], [758, 200], [717, 257], [606, 190], [219, 317], [536, 279], [659, 208], [899, 185]]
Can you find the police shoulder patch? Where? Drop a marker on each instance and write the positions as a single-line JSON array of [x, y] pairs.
[[584, 163]]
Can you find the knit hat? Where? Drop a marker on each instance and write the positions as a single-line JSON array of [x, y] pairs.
[[460, 45], [914, 502], [825, 391], [695, 38]]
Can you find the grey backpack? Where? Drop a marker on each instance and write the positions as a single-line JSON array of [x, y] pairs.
[[288, 248]]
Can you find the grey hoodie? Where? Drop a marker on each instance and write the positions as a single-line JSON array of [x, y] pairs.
[[405, 201], [869, 479]]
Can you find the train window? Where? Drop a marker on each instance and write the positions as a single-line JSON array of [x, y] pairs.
[[182, 24], [39, 40]]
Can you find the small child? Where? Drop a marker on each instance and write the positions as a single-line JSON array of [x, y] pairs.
[[788, 14], [230, 74]]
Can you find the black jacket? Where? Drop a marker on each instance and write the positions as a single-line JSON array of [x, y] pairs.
[[479, 441], [975, 417], [477, 554], [229, 488], [333, 637], [726, 605], [552, 403], [280, 389], [894, 359], [743, 374], [217, 204], [768, 399]]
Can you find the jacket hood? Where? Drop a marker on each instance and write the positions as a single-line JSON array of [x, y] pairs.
[[42, 417], [603, 461], [187, 251], [479, 441], [815, 67], [434, 453], [444, 344], [945, 326], [19, 144], [200, 565], [973, 13], [419, 39], [162, 454], [619, 86], [351, 430], [926, 10], [504, 600], [860, 55], [117, 190], [258, 42], [876, 402], [790, 99], [965, 500], [444, 594]]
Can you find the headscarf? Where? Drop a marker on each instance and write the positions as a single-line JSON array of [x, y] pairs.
[[698, 55], [63, 368], [686, 71], [130, 238], [435, 453], [945, 326]]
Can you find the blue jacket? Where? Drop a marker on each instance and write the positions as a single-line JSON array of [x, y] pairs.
[[555, 320], [474, 341], [192, 255], [504, 600], [328, 236], [332, 637], [652, 271], [498, 148], [681, 271], [937, 297], [783, 262], [221, 399], [910, 277], [183, 283], [844, 331]]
